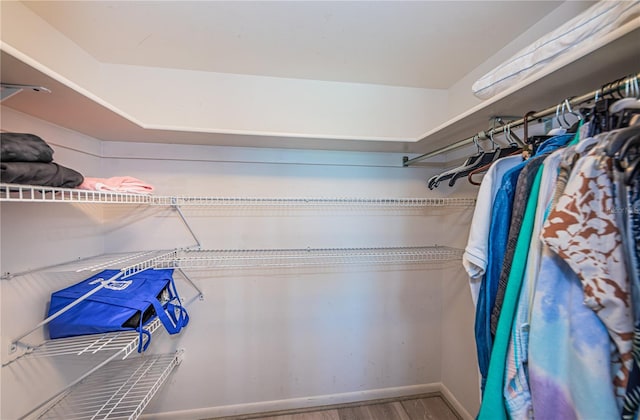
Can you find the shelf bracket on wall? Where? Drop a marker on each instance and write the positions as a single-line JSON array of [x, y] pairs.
[[186, 223], [188, 279], [8, 89]]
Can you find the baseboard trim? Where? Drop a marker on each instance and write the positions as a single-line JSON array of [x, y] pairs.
[[307, 402], [454, 403]]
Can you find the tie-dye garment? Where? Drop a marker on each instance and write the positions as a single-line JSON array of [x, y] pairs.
[[569, 349], [582, 229]]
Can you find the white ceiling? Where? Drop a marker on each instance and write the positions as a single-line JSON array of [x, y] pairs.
[[427, 44]]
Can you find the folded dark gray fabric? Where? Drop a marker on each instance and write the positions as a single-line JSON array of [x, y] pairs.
[[23, 147], [38, 173]]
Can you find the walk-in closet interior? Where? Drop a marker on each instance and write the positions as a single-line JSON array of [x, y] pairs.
[[299, 175]]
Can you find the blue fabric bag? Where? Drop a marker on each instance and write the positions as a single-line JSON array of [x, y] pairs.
[[121, 305]]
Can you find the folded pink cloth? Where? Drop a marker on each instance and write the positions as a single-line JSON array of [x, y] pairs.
[[123, 184]]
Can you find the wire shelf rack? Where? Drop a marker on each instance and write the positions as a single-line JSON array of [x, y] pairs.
[[194, 259], [127, 262], [121, 343], [33, 193], [120, 390], [315, 202]]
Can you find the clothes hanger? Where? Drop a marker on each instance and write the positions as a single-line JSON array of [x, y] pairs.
[[618, 139], [632, 172], [487, 159], [629, 105], [509, 151], [628, 159], [622, 135], [512, 150], [435, 180], [528, 149], [486, 162]]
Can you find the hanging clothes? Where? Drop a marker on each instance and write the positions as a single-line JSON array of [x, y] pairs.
[[569, 348], [498, 233], [583, 231], [475, 254], [554, 264], [517, 393]]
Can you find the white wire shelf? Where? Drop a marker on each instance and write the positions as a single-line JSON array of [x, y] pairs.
[[120, 390], [33, 193], [315, 202], [127, 262], [120, 344], [194, 259]]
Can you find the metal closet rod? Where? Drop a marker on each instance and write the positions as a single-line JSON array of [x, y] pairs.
[[607, 89]]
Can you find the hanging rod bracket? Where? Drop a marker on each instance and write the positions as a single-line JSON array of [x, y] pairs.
[[504, 119], [9, 89]]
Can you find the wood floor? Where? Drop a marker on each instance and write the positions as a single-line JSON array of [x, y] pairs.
[[424, 408]]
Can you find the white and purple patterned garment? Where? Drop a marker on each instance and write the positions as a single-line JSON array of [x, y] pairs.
[[569, 350], [571, 371], [583, 230]]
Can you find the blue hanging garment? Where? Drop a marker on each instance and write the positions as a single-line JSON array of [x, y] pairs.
[[121, 305]]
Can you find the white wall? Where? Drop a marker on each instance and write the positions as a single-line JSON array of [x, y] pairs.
[[233, 103], [33, 236], [261, 338], [223, 103], [73, 232]]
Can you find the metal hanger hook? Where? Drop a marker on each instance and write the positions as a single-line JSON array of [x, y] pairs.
[[558, 114], [475, 141], [564, 119], [509, 136], [493, 128], [571, 111]]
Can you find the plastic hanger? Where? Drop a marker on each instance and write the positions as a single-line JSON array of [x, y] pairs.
[[619, 138], [487, 159], [622, 136], [626, 160], [511, 150], [435, 180], [625, 108]]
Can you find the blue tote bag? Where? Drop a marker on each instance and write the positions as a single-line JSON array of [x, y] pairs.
[[121, 305]]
